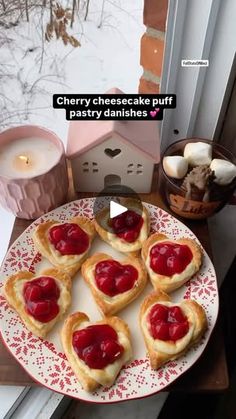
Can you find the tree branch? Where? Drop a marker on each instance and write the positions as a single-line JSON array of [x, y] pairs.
[[87, 10]]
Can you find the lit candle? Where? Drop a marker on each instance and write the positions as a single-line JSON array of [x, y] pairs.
[[22, 162], [27, 157], [33, 173]]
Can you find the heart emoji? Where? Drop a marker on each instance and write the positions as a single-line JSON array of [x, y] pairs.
[[114, 284], [153, 113], [112, 153], [157, 109]]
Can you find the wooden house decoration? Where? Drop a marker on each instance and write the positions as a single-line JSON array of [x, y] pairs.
[[105, 153]]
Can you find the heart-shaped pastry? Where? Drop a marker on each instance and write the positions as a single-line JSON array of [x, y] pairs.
[[65, 245], [170, 263], [125, 232], [170, 329], [114, 284], [96, 351], [40, 300]]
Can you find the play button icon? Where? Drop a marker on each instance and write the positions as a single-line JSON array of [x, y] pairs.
[[113, 201], [116, 209]]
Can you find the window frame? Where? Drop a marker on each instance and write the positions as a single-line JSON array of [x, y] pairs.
[[202, 92]]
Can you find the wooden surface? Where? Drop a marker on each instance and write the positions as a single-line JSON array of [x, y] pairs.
[[210, 371]]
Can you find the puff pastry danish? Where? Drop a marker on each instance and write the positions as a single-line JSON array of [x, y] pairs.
[[40, 300], [170, 263], [65, 245], [127, 231], [170, 329], [114, 284], [96, 351]]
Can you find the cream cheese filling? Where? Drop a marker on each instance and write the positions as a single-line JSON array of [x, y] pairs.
[[18, 290], [170, 347], [106, 375], [186, 273]]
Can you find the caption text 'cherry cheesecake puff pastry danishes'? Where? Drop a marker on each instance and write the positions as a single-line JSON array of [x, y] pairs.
[[96, 351], [40, 300], [114, 284], [125, 232], [170, 263], [170, 329], [65, 245]]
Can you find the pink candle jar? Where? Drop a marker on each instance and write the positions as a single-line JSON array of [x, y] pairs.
[[33, 172]]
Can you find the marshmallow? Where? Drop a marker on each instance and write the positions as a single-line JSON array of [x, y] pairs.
[[175, 166], [224, 171], [198, 153]]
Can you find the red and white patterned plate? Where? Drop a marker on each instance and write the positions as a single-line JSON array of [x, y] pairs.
[[45, 361]]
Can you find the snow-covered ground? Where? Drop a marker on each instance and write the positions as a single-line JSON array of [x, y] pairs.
[[108, 57]]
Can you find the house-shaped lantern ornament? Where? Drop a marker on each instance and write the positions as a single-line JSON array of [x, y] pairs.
[[105, 153]]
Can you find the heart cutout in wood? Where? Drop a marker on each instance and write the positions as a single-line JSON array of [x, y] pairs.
[[112, 153]]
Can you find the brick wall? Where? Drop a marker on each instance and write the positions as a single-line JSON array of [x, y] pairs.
[[152, 45]]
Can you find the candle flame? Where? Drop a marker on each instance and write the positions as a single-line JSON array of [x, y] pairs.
[[25, 159]]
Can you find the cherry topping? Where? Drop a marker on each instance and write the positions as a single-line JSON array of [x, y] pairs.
[[41, 295], [50, 288], [69, 239], [167, 323], [83, 338], [32, 292], [160, 330], [111, 348], [97, 345], [112, 278], [178, 330], [175, 315], [124, 282], [127, 226], [169, 258], [159, 313]]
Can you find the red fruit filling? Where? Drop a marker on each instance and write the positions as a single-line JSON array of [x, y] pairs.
[[69, 239], [169, 258], [41, 297], [167, 323], [112, 278], [127, 226], [97, 345]]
